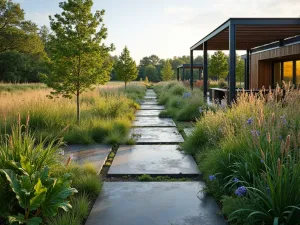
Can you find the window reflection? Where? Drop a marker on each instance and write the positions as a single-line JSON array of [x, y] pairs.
[[288, 71], [298, 73]]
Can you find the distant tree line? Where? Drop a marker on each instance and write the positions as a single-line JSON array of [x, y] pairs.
[[157, 69]]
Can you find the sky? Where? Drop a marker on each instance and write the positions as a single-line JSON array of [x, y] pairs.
[[166, 28]]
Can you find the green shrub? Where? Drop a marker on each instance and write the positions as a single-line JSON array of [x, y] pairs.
[[145, 177], [90, 184], [250, 150]]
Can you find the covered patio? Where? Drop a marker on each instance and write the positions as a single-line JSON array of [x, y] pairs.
[[250, 34], [183, 67]]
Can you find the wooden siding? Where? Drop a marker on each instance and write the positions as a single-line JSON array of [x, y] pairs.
[[261, 64]]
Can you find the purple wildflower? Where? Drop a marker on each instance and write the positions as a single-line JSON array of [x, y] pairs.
[[187, 95], [235, 180], [280, 137], [241, 191], [250, 121], [262, 161], [283, 119], [255, 133], [212, 177]]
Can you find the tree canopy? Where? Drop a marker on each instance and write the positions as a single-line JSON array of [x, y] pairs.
[[125, 67], [79, 59], [218, 66], [151, 73], [167, 72]]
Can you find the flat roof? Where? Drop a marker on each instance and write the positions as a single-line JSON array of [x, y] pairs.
[[195, 66], [250, 33]]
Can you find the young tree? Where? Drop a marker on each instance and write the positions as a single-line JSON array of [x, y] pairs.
[[79, 58], [167, 72], [240, 69], [151, 73], [218, 65], [125, 67]]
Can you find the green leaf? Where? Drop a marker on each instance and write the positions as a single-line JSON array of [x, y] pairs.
[[39, 196], [34, 221], [25, 163], [20, 219], [15, 186], [56, 197]]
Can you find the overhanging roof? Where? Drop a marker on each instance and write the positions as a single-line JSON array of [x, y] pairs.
[[195, 66], [250, 33]]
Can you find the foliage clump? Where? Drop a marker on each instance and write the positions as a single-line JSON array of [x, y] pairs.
[[249, 156]]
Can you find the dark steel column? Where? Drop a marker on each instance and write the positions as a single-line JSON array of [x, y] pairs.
[[177, 74], [183, 73], [232, 63], [205, 70], [247, 78], [192, 69]]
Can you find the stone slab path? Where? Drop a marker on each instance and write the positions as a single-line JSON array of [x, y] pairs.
[[95, 154], [159, 160], [153, 122], [154, 203]]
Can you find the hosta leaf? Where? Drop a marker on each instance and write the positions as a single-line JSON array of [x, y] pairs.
[[25, 163], [39, 195], [56, 196], [34, 221], [20, 219], [15, 186]]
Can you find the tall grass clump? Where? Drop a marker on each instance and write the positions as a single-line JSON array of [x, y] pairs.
[[249, 155], [181, 104], [106, 114]]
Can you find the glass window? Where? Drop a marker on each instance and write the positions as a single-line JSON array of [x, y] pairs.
[[288, 72], [277, 76], [298, 73]]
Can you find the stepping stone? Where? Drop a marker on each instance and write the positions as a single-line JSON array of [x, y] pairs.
[[151, 107], [159, 203], [149, 102], [188, 131], [153, 122], [150, 97], [145, 135], [155, 160], [95, 154], [148, 112]]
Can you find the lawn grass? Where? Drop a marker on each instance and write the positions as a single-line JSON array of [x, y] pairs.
[[249, 156], [106, 113]]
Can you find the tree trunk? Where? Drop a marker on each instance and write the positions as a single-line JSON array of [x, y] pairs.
[[78, 107], [125, 85]]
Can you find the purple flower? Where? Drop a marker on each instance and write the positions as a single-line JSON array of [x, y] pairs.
[[212, 177], [255, 133], [250, 121], [280, 137], [283, 118], [187, 95], [241, 191], [235, 180], [262, 161]]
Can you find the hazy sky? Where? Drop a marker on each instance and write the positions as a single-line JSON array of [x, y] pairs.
[[166, 28]]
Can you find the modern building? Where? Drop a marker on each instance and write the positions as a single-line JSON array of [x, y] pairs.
[[273, 51]]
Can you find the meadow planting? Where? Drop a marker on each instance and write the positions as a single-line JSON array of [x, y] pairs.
[[181, 104], [106, 113], [249, 155]]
